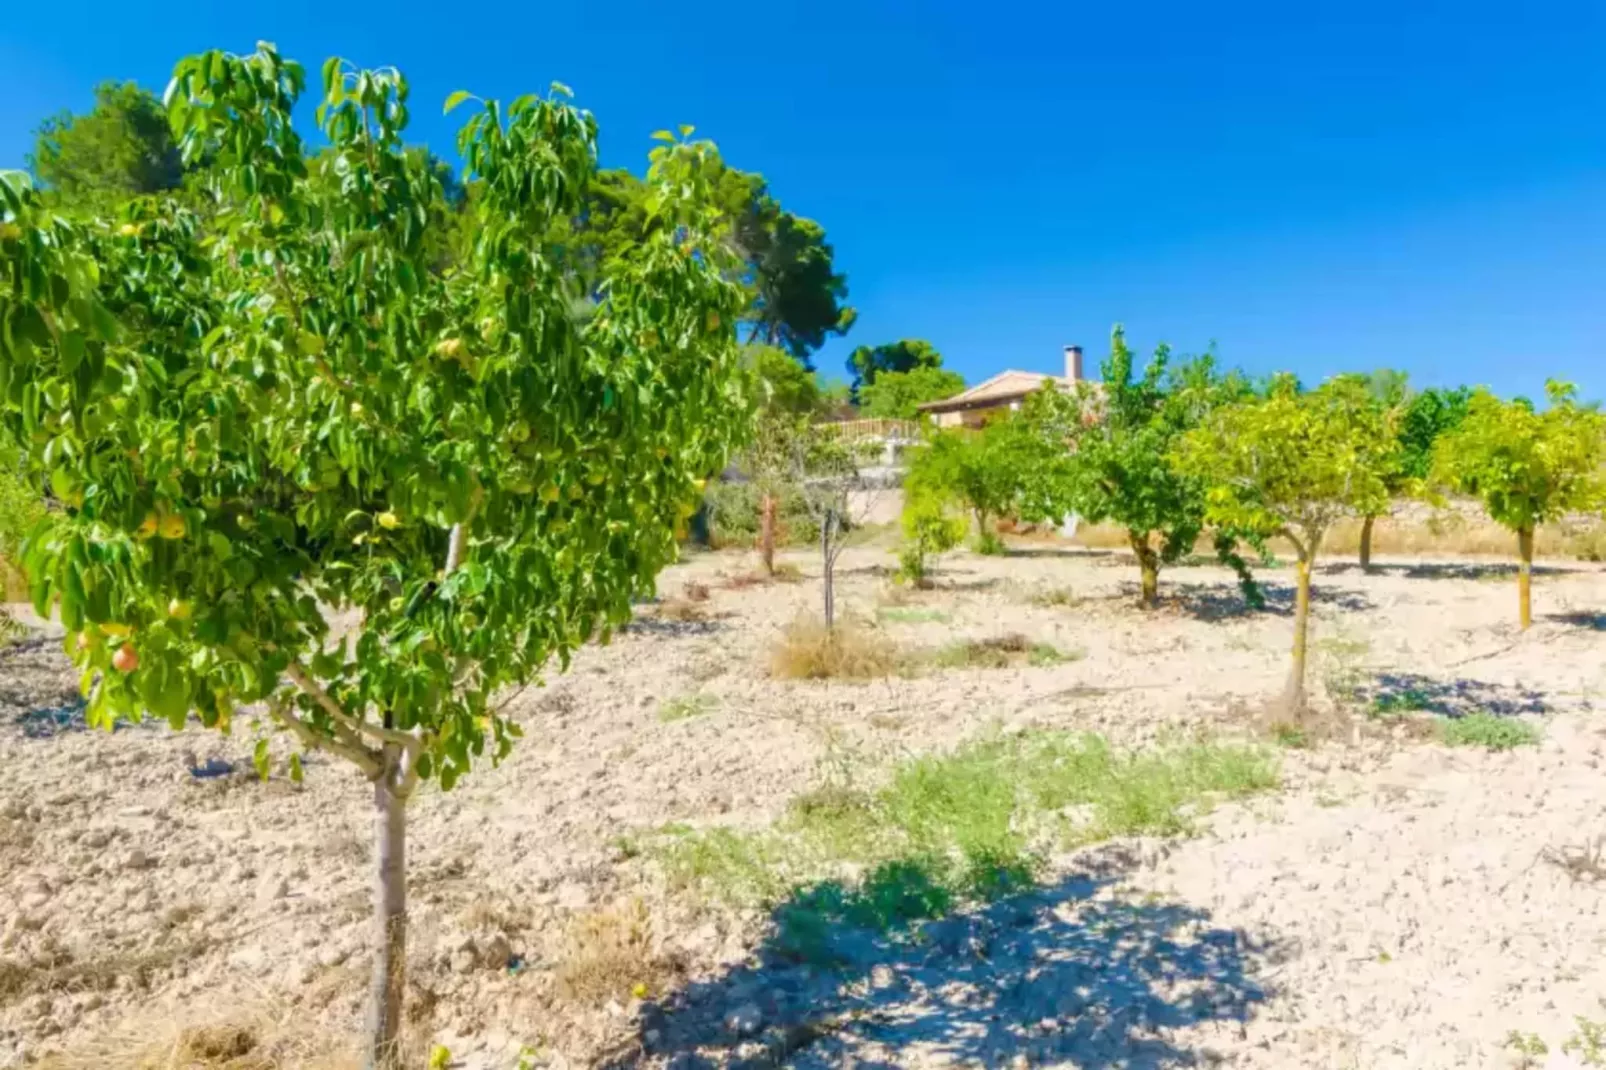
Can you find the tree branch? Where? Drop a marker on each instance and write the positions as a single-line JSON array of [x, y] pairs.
[[356, 754], [340, 717]]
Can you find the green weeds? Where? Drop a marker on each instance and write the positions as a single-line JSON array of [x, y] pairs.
[[965, 826]]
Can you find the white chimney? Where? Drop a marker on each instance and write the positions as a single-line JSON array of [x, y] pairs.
[[1073, 363]]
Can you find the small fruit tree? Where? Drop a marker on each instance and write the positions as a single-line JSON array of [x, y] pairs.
[[1104, 457], [1419, 418], [1289, 465], [982, 470], [271, 408], [1526, 466]]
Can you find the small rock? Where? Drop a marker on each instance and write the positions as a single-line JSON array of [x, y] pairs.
[[137, 859], [333, 955], [272, 889], [95, 838]]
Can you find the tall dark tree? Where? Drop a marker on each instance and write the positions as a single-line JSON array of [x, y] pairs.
[[796, 297], [121, 148], [904, 355]]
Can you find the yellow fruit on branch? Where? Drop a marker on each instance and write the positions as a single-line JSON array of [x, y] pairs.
[[179, 609], [450, 348], [116, 630], [388, 520], [171, 526], [147, 527], [128, 230]]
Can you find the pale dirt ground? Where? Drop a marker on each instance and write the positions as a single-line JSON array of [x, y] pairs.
[[1388, 909]]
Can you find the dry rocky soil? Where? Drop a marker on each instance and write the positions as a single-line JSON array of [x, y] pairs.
[[1396, 903]]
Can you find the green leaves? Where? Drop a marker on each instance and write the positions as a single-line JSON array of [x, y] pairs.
[[1526, 466], [455, 99], [1293, 462], [227, 403]]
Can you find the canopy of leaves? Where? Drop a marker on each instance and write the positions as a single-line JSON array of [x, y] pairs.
[[1106, 446], [981, 469], [898, 395], [1294, 461], [781, 383], [273, 408], [1428, 415], [122, 148], [867, 362], [795, 297], [1527, 466]]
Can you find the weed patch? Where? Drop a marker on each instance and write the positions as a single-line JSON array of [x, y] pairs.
[[1054, 597], [969, 825], [1000, 652], [911, 615], [686, 707], [1489, 732]]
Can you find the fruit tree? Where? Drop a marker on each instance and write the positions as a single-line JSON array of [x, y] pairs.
[[272, 404]]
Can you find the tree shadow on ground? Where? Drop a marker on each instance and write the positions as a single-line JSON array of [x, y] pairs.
[[1070, 972], [1212, 602], [1443, 570], [1402, 693], [1066, 553], [674, 628], [1595, 622]]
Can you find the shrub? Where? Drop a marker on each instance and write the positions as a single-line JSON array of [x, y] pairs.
[[733, 515], [808, 650]]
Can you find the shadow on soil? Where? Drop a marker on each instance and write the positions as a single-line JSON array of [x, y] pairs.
[[1225, 601], [1595, 622], [671, 628], [1059, 973], [1412, 693]]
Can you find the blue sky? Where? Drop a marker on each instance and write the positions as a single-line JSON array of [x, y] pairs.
[[1319, 187]]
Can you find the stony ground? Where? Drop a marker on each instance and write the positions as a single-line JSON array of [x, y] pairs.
[[1400, 904]]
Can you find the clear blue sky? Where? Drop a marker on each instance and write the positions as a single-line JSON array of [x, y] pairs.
[[1319, 187]]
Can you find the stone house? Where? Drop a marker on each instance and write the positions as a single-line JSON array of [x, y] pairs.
[[1001, 394]]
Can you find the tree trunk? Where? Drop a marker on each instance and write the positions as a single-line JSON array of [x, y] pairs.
[[1295, 697], [828, 569], [1149, 565], [1366, 542], [1525, 550], [389, 981], [766, 533]]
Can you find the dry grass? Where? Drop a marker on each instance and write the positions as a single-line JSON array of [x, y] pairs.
[[785, 572], [610, 954], [807, 650], [61, 971], [267, 1037], [681, 609]]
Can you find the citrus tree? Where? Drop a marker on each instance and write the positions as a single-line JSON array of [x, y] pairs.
[[1103, 455], [274, 408], [1419, 417], [1291, 464], [1526, 466]]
